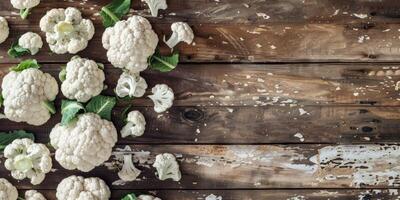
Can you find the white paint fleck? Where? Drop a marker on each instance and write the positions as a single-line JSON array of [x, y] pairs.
[[300, 136], [303, 112], [263, 15], [361, 16]]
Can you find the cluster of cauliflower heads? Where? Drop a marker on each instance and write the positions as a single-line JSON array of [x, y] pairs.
[[87, 140]]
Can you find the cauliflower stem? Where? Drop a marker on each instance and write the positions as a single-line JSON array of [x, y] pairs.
[[24, 13]]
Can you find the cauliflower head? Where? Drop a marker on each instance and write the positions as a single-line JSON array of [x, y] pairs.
[[130, 43], [24, 4], [136, 124], [26, 159], [167, 167], [79, 188], [31, 41], [162, 97], [66, 31], [7, 190], [147, 197], [34, 195], [181, 32], [25, 95], [85, 143], [128, 172], [130, 85], [84, 80], [4, 30]]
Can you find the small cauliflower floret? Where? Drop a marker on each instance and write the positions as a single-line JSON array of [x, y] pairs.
[[26, 159], [31, 41], [83, 79], [167, 167], [85, 143], [156, 5], [24, 6], [66, 31], [130, 43], [25, 95], [147, 197], [181, 32], [79, 188], [7, 190], [128, 172], [162, 97], [34, 195], [4, 30], [135, 126], [130, 85]]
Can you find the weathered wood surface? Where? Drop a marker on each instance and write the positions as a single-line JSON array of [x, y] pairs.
[[310, 194], [296, 32], [251, 166]]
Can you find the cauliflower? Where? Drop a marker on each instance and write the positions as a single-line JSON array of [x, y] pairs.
[[163, 97], [26, 94], [147, 197], [135, 126], [4, 30], [181, 31], [26, 159], [66, 31], [130, 85], [7, 190], [156, 5], [84, 143], [167, 167], [83, 79], [130, 43], [128, 172], [24, 6], [79, 188], [33, 195], [31, 41]]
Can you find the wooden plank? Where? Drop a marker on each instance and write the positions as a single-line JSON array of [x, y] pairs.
[[255, 194], [266, 85], [251, 125], [252, 166]]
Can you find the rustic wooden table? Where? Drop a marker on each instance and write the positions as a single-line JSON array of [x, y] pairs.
[[291, 99]]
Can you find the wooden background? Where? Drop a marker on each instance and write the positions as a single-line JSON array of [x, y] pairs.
[[289, 99]]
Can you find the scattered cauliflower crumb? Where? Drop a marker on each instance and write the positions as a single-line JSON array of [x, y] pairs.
[[162, 97], [167, 167], [135, 126]]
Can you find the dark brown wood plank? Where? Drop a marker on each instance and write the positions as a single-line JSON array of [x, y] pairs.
[[253, 166], [297, 194]]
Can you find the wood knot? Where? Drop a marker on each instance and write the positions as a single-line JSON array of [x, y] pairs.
[[366, 129], [192, 114]]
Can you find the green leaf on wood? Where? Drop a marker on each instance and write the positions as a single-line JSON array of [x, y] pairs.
[[131, 196], [163, 63], [114, 11]]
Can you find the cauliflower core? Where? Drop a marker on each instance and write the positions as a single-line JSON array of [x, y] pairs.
[[162, 97], [4, 30], [7, 190], [130, 43], [84, 80], [66, 31], [85, 143], [31, 41], [26, 159], [135, 126], [79, 188], [25, 94], [167, 167], [128, 172], [130, 85], [33, 195]]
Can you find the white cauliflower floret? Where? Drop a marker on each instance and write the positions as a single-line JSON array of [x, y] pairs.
[[34, 195], [79, 188], [24, 4], [130, 85], [31, 41], [147, 197], [4, 30], [130, 43], [181, 31], [167, 167], [136, 124], [162, 97], [84, 79], [66, 31], [156, 5], [26, 159], [25, 94], [7, 190], [128, 172], [85, 143]]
